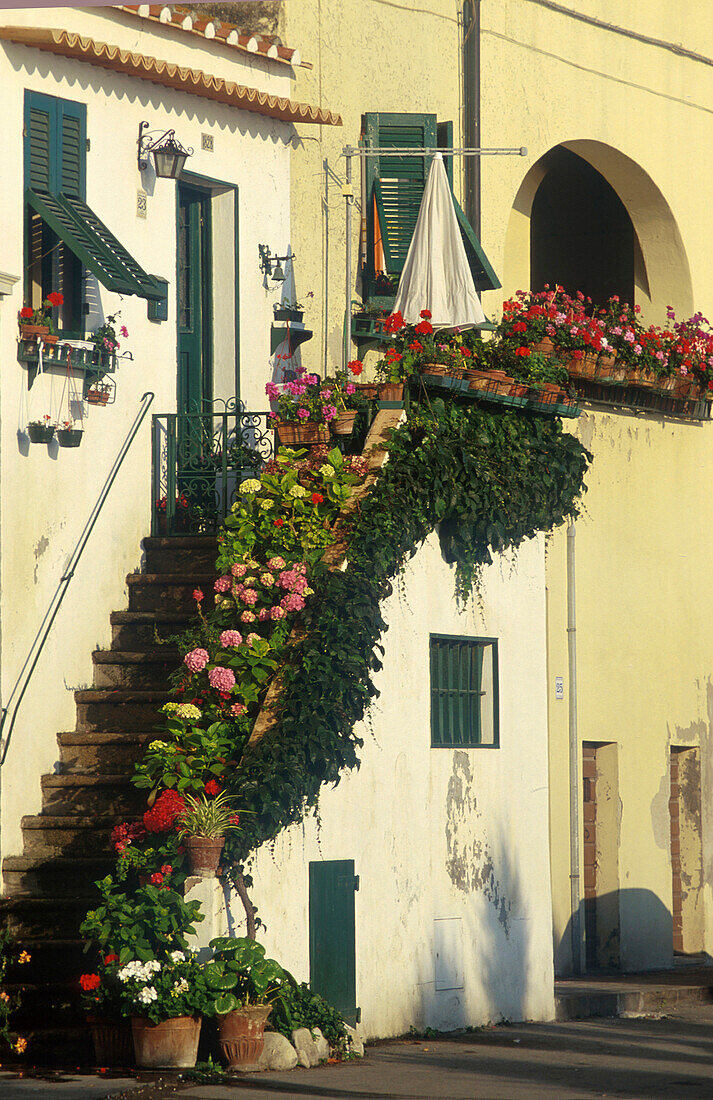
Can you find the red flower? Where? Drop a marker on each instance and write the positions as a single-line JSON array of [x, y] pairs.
[[110, 959], [198, 595], [55, 298], [425, 328], [279, 522], [466, 353], [415, 346], [394, 322], [235, 819], [89, 982], [162, 816], [166, 869], [26, 312], [523, 351], [519, 326], [317, 498], [355, 366], [212, 788], [156, 878], [427, 314]]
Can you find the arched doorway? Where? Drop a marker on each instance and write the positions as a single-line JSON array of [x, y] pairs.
[[661, 274], [581, 235]]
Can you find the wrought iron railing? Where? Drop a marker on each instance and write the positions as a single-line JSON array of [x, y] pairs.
[[198, 462]]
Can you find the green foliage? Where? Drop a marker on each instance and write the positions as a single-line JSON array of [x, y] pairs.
[[191, 758], [239, 975], [164, 988], [297, 1006], [144, 925], [9, 1002], [207, 817]]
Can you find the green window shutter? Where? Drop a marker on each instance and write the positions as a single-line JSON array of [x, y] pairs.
[[444, 131], [95, 245], [72, 148], [332, 947], [40, 122], [458, 693]]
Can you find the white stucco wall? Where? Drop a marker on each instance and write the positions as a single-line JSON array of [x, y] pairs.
[[45, 493], [437, 833]]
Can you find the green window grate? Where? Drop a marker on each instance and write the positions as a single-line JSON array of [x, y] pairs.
[[464, 692]]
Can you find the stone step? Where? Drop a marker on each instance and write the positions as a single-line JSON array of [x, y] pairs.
[[67, 794], [65, 1047], [55, 960], [50, 835], [168, 591], [56, 1002], [102, 752], [630, 995], [124, 668], [49, 917], [31, 877], [140, 630], [120, 709], [181, 554]]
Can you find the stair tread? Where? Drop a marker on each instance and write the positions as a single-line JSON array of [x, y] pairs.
[[170, 578], [124, 618], [59, 863], [104, 737], [86, 779], [46, 901], [81, 820], [120, 695], [134, 657], [179, 542]]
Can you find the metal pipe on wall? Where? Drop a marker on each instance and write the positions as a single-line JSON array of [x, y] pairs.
[[576, 922], [471, 110]]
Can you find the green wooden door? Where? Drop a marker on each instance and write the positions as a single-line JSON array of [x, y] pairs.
[[194, 299], [332, 951]]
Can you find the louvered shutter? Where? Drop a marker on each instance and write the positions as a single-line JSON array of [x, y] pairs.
[[39, 119], [72, 148]]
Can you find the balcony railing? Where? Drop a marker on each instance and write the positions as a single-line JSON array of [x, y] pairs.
[[198, 462]]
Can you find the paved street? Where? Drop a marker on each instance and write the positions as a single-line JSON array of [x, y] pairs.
[[640, 1059]]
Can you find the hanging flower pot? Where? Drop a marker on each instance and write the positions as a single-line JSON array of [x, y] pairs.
[[242, 1035], [40, 432], [172, 1044], [99, 393], [343, 424], [305, 431], [204, 854], [69, 437]]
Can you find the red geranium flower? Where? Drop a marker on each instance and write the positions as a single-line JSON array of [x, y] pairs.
[[212, 788], [425, 328], [156, 878], [415, 346], [89, 982], [198, 595], [523, 351], [279, 522], [317, 498], [26, 312], [427, 314], [110, 959], [162, 816], [519, 326], [55, 298], [355, 366]]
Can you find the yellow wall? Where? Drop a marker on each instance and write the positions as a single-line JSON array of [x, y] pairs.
[[641, 114]]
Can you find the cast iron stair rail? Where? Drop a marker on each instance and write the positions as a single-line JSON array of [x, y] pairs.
[[21, 684], [198, 460]]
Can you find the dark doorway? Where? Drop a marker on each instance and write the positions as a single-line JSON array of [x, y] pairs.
[[581, 236]]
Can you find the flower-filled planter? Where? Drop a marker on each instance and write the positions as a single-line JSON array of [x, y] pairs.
[[100, 393], [305, 408], [41, 431], [171, 1044], [294, 315], [308, 432], [242, 1035], [69, 437], [38, 322]]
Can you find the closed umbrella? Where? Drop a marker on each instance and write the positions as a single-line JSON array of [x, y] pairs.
[[436, 275]]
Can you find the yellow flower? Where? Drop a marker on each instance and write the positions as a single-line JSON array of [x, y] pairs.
[[21, 1045], [24, 958], [4, 997]]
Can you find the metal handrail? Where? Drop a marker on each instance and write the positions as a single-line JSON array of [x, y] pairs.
[[33, 655]]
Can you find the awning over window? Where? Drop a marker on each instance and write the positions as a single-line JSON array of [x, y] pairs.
[[95, 245]]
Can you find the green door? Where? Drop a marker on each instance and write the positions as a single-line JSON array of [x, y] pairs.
[[194, 299], [332, 954]]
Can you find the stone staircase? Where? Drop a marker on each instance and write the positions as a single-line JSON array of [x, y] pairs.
[[49, 888]]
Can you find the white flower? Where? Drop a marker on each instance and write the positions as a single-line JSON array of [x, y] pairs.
[[326, 471], [156, 746], [187, 710], [180, 987], [177, 956], [266, 504], [138, 971], [298, 491], [251, 485], [147, 996]]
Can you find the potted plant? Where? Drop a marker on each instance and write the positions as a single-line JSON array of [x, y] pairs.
[[288, 311], [243, 983], [99, 392], [165, 999], [106, 338], [38, 322], [42, 430], [349, 399], [68, 435], [305, 409], [111, 1032], [203, 825]]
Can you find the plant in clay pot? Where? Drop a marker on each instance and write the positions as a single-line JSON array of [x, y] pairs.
[[38, 321], [204, 824], [305, 408], [101, 1000], [243, 983]]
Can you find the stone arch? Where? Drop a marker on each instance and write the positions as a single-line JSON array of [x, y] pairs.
[[662, 275]]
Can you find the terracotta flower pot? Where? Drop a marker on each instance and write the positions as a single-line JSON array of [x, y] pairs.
[[584, 366], [344, 423], [97, 397], [305, 431], [204, 854], [368, 389], [50, 338], [605, 365], [28, 332], [172, 1044], [391, 391], [242, 1035], [544, 347], [647, 379], [113, 1044]]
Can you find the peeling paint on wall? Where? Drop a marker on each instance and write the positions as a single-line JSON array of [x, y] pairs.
[[469, 860], [41, 546]]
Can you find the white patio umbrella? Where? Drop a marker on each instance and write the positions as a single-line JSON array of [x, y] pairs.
[[436, 274]]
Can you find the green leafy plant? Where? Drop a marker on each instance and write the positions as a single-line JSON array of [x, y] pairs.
[[144, 925], [10, 1002], [165, 987], [297, 1006], [188, 758], [239, 974], [208, 817]]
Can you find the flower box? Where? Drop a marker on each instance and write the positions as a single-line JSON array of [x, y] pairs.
[[307, 432], [344, 422], [294, 315]]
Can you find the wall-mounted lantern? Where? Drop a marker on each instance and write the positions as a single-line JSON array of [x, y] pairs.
[[169, 155]]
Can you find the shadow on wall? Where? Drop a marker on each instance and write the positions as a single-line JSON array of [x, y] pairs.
[[633, 929]]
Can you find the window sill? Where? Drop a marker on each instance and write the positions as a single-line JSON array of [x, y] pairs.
[[82, 357]]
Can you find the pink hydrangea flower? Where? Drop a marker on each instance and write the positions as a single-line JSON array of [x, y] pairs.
[[292, 602], [267, 580], [247, 617], [277, 613], [222, 679], [222, 584], [263, 614], [196, 660], [249, 596], [230, 638], [287, 578], [252, 638], [238, 709], [238, 570], [276, 563]]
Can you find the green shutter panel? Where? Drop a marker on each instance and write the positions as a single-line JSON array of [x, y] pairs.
[[72, 148], [332, 948], [444, 131], [39, 118]]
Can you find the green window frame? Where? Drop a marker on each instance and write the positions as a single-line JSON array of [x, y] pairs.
[[63, 235], [464, 684], [393, 191]]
